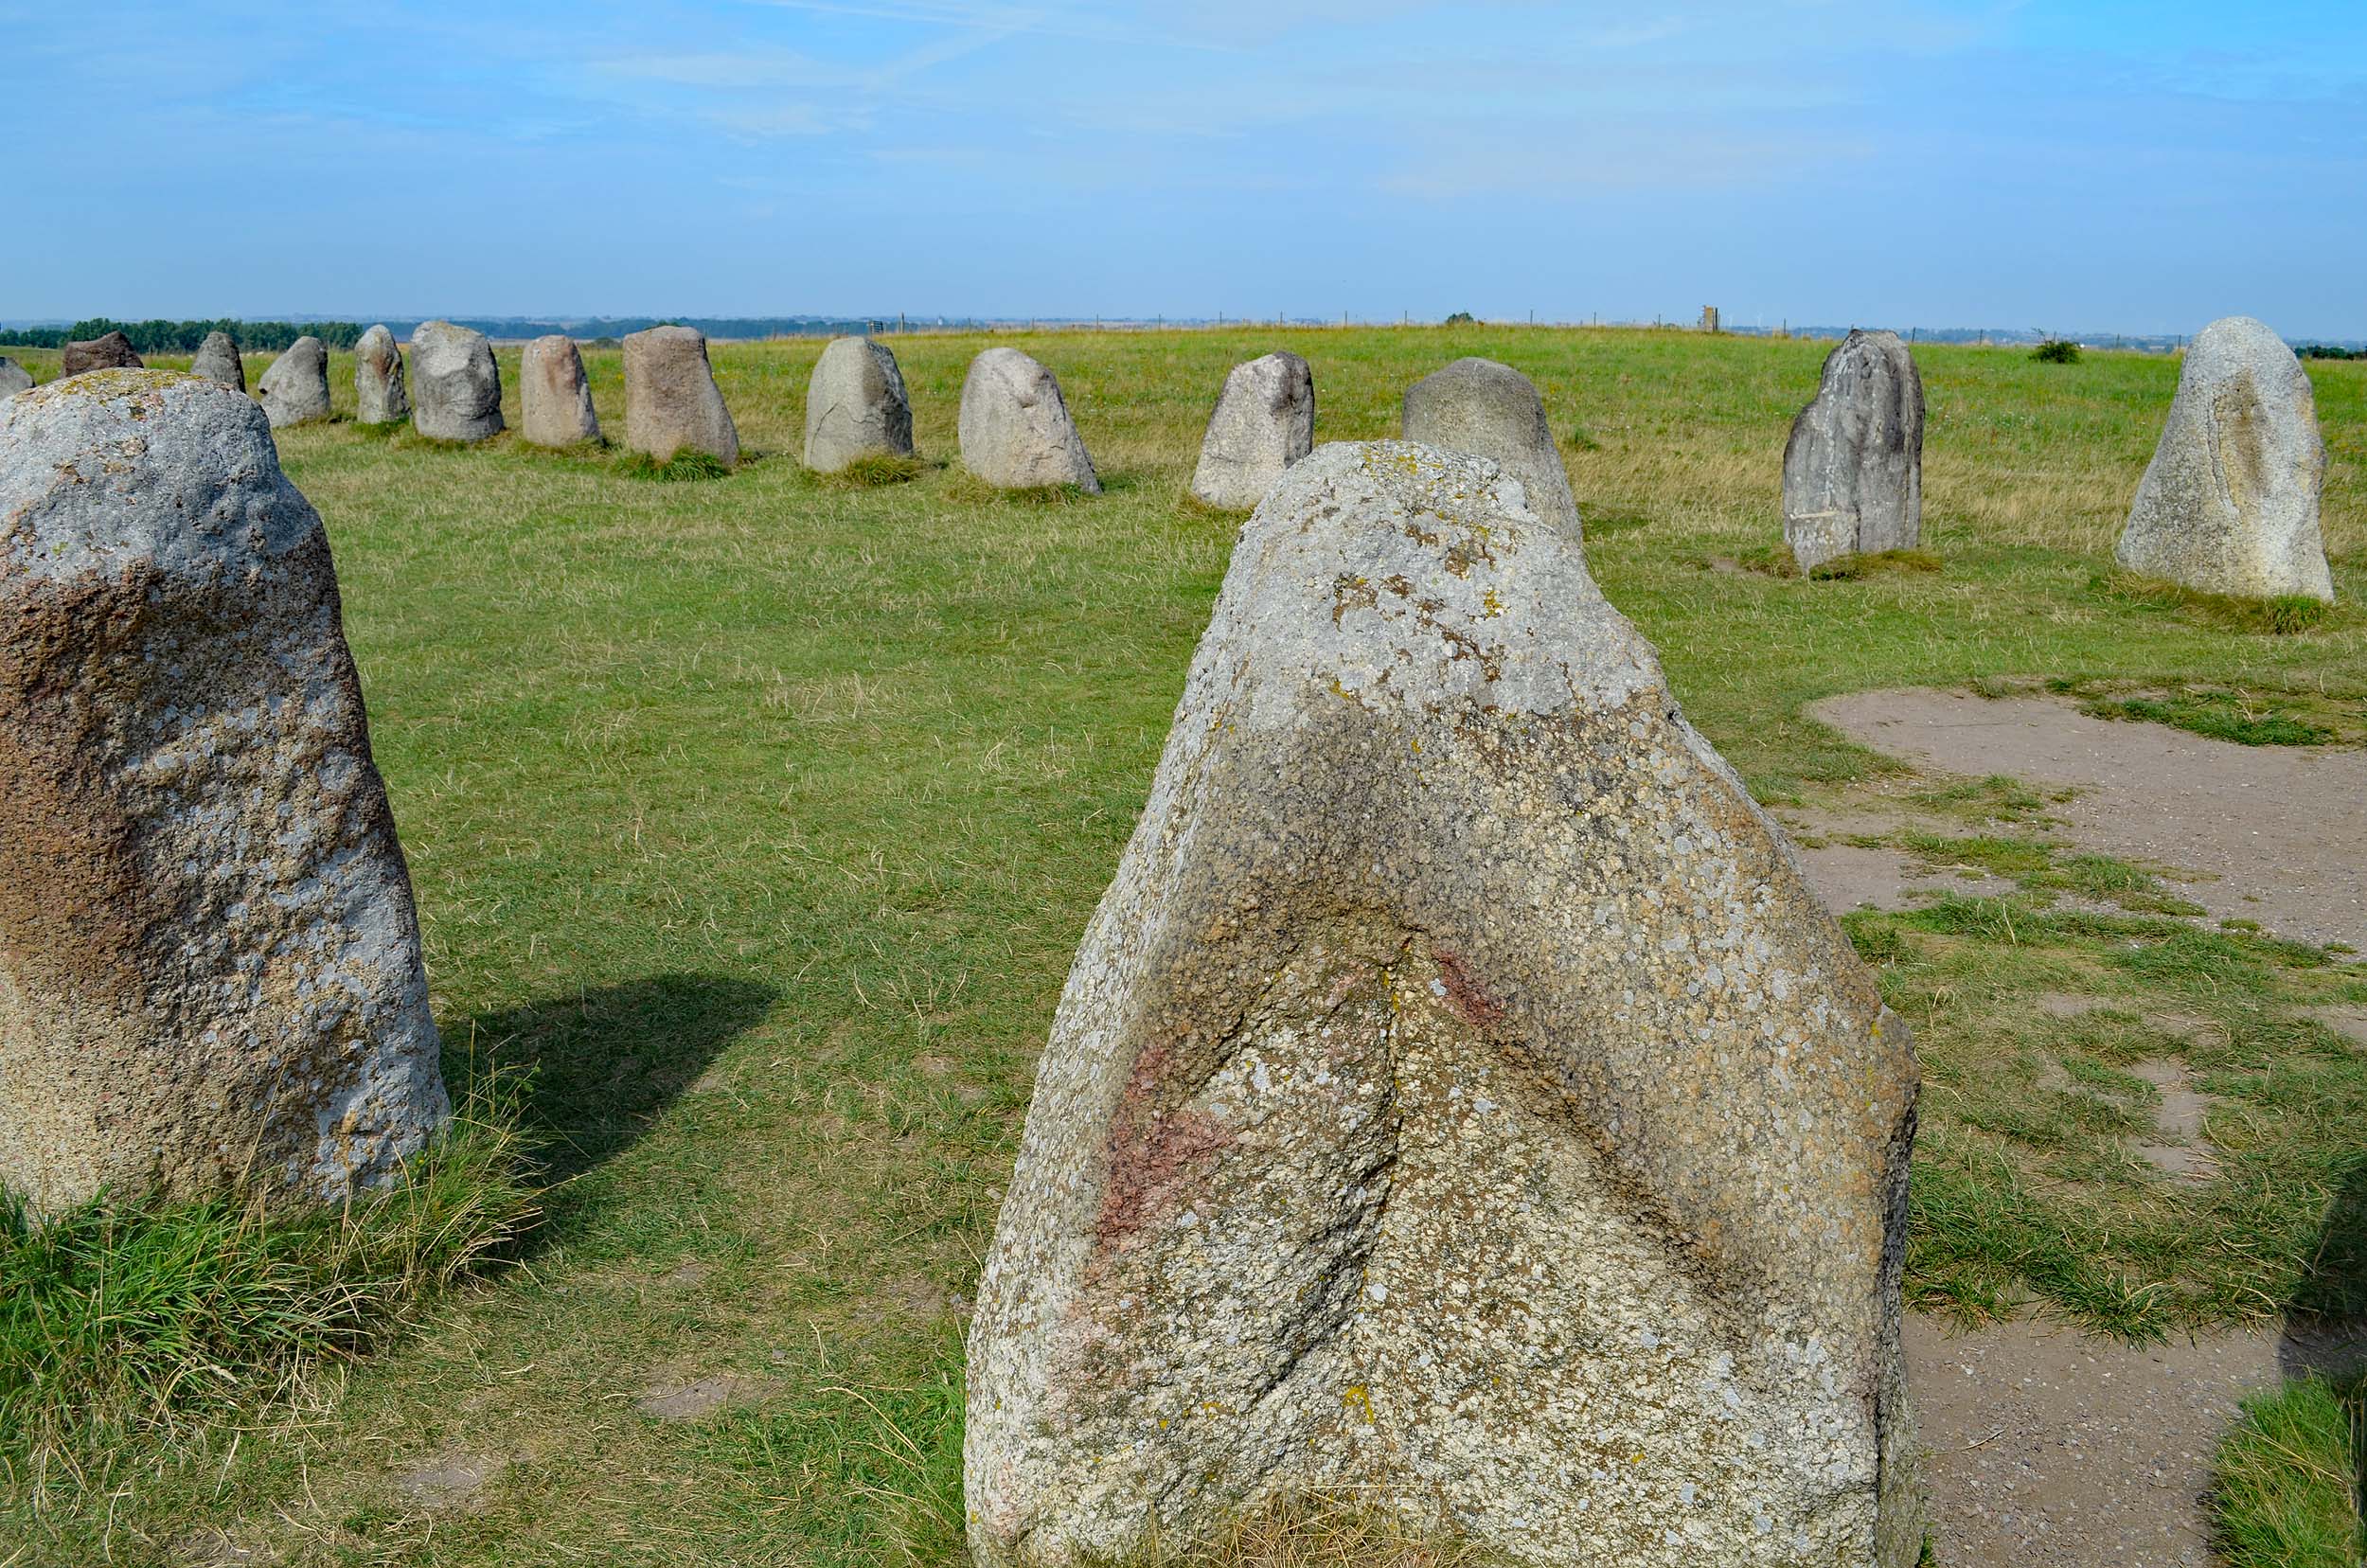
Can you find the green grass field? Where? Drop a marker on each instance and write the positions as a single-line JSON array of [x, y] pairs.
[[759, 817]]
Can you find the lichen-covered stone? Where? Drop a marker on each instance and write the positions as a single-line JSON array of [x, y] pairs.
[[378, 394], [1459, 1100], [455, 385], [671, 403], [112, 351], [2229, 504], [210, 961], [294, 390], [217, 359], [554, 396], [1853, 469], [1491, 410], [856, 406], [1015, 429], [14, 378], [1264, 422]]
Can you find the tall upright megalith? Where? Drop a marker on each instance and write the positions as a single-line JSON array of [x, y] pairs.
[[1491, 410], [294, 390], [1853, 469], [210, 961], [554, 394], [856, 406], [1015, 429], [1264, 422], [217, 359], [380, 396], [672, 405], [108, 351], [455, 385], [1459, 1101], [2229, 504]]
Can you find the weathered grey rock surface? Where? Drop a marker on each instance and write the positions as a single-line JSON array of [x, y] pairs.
[[380, 396], [1015, 429], [554, 398], [1459, 1100], [1264, 422], [296, 389], [856, 406], [1853, 469], [2229, 504], [1491, 410], [455, 386], [14, 378], [671, 403], [111, 352], [209, 962], [217, 359]]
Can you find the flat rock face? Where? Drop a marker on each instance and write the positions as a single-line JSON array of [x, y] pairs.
[[1491, 410], [14, 378], [554, 399], [2229, 504], [1458, 1099], [671, 403], [856, 406], [1016, 433], [217, 359], [455, 386], [210, 961], [1264, 422], [296, 389], [112, 352], [378, 394], [1853, 469]]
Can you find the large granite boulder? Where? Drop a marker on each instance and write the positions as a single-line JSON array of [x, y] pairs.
[[110, 352], [217, 359], [1015, 429], [2229, 504], [856, 406], [296, 389], [380, 396], [1491, 410], [14, 378], [554, 396], [455, 386], [1853, 469], [1459, 1102], [672, 405], [1264, 422], [209, 962]]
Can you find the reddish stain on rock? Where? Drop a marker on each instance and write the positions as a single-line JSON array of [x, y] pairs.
[[1470, 1003]]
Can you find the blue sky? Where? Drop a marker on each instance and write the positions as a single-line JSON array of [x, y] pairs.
[[2065, 163]]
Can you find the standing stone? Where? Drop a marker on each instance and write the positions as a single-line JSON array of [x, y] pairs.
[[1459, 1102], [209, 962], [2229, 504], [1264, 422], [856, 406], [554, 399], [378, 394], [111, 352], [1491, 410], [455, 385], [217, 359], [14, 378], [1015, 429], [1853, 469], [296, 389], [671, 403]]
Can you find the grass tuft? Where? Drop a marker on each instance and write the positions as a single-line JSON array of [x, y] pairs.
[[2285, 1483], [684, 467], [1317, 1532], [2219, 714], [1852, 568], [872, 470], [2283, 616]]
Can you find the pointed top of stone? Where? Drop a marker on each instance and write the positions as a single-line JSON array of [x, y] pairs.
[[380, 394], [1264, 422], [1015, 429], [14, 378], [554, 394], [217, 359], [296, 389], [1491, 410]]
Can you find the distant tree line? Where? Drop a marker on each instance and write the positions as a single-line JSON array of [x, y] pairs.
[[2325, 351], [184, 337]]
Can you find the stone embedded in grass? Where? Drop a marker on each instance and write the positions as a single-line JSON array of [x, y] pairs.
[[14, 378], [296, 389], [671, 403], [1853, 469], [554, 396], [455, 386], [378, 394], [2229, 504], [1016, 433], [1264, 422], [217, 359], [1491, 410], [210, 961], [111, 352], [856, 406], [1459, 1101]]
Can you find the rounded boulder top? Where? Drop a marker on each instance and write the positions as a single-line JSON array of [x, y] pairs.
[[1491, 410]]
